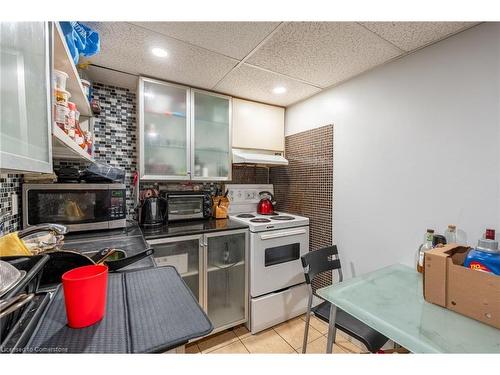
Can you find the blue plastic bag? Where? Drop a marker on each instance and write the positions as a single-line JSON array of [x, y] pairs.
[[81, 39]]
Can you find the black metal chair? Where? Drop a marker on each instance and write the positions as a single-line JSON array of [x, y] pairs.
[[327, 260]]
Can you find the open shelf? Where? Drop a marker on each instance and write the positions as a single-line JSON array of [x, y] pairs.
[[215, 268], [64, 62], [210, 122], [192, 271], [63, 147]]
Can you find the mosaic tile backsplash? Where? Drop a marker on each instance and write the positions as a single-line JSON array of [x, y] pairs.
[[115, 132], [305, 185], [9, 184], [250, 175]]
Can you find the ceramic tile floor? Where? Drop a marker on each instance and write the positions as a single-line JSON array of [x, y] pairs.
[[283, 338]]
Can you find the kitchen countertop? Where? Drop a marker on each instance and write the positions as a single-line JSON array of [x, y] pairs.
[[186, 228], [129, 239], [132, 230]]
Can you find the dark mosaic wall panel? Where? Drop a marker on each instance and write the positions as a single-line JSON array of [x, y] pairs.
[[250, 175], [9, 184], [305, 186]]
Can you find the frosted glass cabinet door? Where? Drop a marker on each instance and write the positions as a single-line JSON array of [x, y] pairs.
[[211, 127], [164, 130], [226, 301], [183, 254], [25, 99]]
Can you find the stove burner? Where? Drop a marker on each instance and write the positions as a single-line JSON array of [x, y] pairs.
[[246, 216], [260, 220], [282, 217]]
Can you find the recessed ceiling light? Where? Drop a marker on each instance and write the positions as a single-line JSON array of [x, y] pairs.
[[279, 90], [160, 52]]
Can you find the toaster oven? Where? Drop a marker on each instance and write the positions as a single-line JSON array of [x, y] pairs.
[[184, 205]]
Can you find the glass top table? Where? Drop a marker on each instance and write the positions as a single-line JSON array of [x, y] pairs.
[[390, 300]]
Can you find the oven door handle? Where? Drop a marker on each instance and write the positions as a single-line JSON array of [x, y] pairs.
[[282, 234], [185, 196]]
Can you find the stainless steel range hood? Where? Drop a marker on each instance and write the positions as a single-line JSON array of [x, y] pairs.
[[258, 157]]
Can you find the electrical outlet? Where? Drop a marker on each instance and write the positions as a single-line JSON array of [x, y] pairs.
[[238, 195], [14, 205]]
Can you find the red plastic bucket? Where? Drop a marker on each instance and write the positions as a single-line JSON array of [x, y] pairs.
[[85, 294]]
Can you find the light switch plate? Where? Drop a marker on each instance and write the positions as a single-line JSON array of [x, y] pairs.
[[15, 208]]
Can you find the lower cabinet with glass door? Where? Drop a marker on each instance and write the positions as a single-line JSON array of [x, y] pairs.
[[215, 268]]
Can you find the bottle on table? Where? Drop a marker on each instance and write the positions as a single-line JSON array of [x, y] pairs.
[[427, 245], [490, 234], [451, 234], [486, 256]]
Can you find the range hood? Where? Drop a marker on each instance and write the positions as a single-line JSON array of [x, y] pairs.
[[257, 157]]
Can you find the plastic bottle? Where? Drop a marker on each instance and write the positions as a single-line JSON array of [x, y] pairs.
[[71, 120], [427, 245], [485, 257], [451, 234]]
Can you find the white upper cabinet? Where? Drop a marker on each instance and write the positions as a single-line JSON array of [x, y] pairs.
[[25, 97], [258, 126]]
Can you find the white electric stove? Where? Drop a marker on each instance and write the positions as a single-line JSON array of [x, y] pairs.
[[277, 285], [261, 223]]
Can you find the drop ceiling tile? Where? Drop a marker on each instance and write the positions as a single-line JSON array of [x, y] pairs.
[[112, 78], [233, 39], [411, 35], [323, 53], [257, 84], [127, 48]]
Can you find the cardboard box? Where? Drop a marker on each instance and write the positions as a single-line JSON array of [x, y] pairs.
[[448, 283]]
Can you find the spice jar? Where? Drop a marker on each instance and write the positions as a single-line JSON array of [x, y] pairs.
[[88, 141], [62, 97], [61, 116], [71, 124]]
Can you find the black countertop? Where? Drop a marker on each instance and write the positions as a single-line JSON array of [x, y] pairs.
[[129, 239], [186, 228], [133, 238], [132, 230]]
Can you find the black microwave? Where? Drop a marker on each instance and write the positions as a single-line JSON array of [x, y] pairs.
[[80, 207], [184, 205]]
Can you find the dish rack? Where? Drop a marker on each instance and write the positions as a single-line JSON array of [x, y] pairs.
[[11, 334]]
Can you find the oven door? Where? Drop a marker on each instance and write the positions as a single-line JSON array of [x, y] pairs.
[[275, 259]]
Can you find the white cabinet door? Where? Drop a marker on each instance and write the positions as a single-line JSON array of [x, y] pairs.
[[258, 126], [164, 130], [210, 136], [25, 97]]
